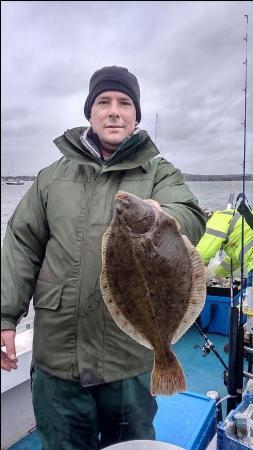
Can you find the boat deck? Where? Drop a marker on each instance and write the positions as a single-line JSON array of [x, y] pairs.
[[203, 374]]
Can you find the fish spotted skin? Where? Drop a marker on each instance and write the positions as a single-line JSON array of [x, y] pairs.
[[153, 283]]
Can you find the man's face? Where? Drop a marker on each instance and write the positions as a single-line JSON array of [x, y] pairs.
[[113, 118]]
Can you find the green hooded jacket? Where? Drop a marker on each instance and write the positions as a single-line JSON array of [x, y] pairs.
[[52, 252]]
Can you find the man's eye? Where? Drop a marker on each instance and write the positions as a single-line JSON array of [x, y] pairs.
[[126, 103], [102, 102]]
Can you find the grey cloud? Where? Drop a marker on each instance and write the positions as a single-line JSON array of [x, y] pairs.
[[61, 81], [13, 114], [187, 56]]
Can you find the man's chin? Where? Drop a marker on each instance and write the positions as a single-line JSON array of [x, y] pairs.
[[111, 144]]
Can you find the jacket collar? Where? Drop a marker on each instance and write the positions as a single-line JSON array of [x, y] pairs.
[[133, 152]]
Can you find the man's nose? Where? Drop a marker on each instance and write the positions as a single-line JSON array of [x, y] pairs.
[[114, 110]]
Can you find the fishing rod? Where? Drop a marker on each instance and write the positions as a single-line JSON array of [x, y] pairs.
[[209, 346], [236, 334]]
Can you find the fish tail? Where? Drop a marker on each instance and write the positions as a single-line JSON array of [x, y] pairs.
[[167, 376]]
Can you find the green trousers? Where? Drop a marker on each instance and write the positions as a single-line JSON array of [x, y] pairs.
[[72, 417]]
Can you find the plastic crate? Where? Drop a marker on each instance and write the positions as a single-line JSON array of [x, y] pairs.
[[186, 419], [214, 317], [227, 442]]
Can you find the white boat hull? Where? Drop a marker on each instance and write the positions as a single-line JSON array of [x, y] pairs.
[[17, 417]]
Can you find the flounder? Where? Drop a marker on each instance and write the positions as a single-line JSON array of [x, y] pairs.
[[153, 283]]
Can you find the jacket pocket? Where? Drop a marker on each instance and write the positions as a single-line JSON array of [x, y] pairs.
[[54, 338], [47, 295]]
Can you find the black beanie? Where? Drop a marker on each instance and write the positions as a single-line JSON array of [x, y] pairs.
[[113, 78]]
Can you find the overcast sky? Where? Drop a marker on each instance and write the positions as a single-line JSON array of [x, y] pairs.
[[187, 56]]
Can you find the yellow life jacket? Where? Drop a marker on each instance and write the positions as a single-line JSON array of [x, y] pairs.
[[224, 231]]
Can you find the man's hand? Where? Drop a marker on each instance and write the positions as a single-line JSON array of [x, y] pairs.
[[8, 358]]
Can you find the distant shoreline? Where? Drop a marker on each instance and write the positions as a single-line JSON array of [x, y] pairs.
[[192, 177], [187, 176]]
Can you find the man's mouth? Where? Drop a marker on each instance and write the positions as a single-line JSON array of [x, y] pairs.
[[114, 126]]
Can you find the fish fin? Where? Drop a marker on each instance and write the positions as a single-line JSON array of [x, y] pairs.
[[168, 380], [198, 291], [115, 312]]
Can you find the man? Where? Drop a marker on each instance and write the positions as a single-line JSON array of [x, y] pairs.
[[224, 231], [90, 381]]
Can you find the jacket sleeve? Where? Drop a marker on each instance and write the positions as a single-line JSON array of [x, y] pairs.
[[214, 237], [208, 246], [176, 199], [22, 253]]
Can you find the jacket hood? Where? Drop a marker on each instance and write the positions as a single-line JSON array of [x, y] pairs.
[[134, 152]]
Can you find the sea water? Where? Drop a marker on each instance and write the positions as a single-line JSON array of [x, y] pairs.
[[210, 194]]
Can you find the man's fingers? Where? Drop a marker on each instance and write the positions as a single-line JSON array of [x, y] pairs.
[[8, 357], [10, 345], [6, 363]]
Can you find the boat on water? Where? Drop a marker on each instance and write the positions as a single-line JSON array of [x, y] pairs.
[[14, 181]]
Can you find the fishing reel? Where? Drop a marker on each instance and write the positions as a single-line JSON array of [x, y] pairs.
[[205, 349]]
